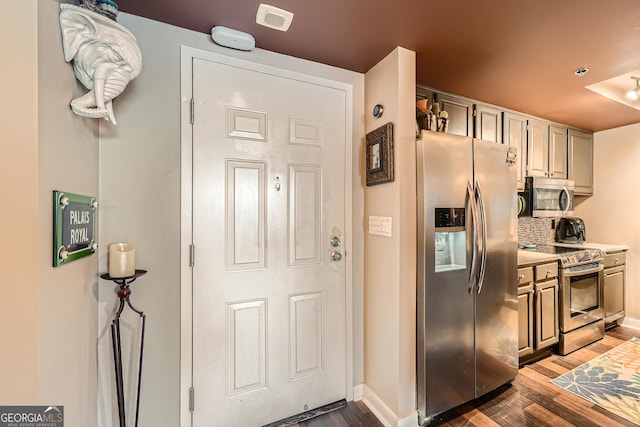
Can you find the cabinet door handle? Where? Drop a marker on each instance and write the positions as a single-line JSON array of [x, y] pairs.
[[549, 273], [521, 276]]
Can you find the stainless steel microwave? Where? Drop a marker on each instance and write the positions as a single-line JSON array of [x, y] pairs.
[[549, 197]]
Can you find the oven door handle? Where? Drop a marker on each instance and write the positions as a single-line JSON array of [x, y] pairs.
[[567, 272]]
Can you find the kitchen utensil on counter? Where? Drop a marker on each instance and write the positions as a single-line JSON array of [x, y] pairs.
[[443, 123], [424, 114]]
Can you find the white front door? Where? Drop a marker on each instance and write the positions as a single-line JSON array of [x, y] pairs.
[[268, 213]]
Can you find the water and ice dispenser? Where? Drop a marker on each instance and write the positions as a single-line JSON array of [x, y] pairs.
[[450, 239]]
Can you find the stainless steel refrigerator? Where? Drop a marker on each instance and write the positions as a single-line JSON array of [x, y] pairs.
[[467, 313]]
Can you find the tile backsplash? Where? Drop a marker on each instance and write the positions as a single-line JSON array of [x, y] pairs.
[[535, 230]]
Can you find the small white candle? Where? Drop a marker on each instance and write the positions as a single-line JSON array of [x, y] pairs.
[[122, 260]]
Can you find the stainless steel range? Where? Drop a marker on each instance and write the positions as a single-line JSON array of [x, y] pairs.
[[581, 311]]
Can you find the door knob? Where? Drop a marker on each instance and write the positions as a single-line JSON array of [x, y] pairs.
[[335, 256], [334, 242]]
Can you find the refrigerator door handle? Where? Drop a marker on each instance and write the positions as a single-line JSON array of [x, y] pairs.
[[483, 217], [474, 233]]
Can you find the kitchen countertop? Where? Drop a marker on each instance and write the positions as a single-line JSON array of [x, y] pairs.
[[605, 247], [529, 257]]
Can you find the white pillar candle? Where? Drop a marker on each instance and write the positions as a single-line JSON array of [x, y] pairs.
[[122, 260]]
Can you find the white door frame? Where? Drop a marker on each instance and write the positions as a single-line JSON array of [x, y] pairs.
[[186, 190]]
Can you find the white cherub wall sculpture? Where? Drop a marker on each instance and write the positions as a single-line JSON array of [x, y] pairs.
[[105, 55]]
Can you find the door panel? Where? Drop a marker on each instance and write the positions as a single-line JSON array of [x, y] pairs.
[[445, 365], [460, 111], [246, 347], [488, 123], [613, 284], [305, 213], [242, 123], [305, 328], [496, 303], [515, 135], [246, 215], [538, 148], [558, 149], [525, 320], [580, 161], [547, 328], [269, 324]]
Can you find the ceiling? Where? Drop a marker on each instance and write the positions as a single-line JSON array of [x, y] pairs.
[[519, 55]]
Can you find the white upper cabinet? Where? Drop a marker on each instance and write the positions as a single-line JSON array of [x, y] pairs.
[[581, 161], [547, 149], [514, 134], [558, 151], [488, 123]]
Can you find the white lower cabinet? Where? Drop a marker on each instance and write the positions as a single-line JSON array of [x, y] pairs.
[[546, 303], [538, 327], [613, 287], [525, 311]]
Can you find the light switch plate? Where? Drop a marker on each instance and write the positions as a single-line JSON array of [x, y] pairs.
[[380, 225]]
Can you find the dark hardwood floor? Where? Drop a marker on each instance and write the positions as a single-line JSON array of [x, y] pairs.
[[530, 400]]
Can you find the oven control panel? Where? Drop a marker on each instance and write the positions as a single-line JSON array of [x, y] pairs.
[[581, 257]]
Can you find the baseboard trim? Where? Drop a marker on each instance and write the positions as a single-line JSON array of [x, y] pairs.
[[357, 392], [410, 420], [631, 323], [385, 415]]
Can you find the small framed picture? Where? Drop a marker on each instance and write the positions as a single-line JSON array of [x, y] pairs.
[[379, 152]]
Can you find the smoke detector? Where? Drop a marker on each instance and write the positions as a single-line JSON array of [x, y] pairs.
[[235, 39], [274, 17]]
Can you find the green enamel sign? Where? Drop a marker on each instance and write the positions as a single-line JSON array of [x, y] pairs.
[[74, 227]]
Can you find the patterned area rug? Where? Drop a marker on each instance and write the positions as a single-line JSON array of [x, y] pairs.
[[611, 380]]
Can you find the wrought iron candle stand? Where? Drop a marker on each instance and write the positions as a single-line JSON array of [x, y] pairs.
[[124, 293]]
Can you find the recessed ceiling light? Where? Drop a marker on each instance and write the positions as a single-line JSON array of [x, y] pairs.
[[581, 71]]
